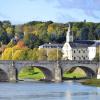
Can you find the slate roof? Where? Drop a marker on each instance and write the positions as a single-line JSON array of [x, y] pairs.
[[79, 45], [51, 45], [84, 43], [75, 44]]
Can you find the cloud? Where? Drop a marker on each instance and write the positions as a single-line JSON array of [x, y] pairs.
[[65, 18], [88, 6], [80, 4]]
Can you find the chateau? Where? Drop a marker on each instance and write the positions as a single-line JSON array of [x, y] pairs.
[[78, 50], [74, 50]]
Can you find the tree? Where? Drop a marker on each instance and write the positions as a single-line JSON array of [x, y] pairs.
[[6, 24], [4, 38], [20, 54], [7, 54], [18, 29], [11, 43], [21, 44], [42, 54], [34, 55], [84, 33], [52, 54], [97, 32], [10, 32]]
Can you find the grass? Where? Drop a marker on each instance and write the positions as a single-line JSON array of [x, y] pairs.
[[78, 73], [37, 74], [73, 75], [92, 82], [34, 73]]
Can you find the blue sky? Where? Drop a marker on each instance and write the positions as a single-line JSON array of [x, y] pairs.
[[21, 11]]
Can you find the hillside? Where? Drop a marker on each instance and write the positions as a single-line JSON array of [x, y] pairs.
[[36, 33], [20, 42]]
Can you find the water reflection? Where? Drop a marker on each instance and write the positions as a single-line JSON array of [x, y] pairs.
[[48, 91], [80, 92]]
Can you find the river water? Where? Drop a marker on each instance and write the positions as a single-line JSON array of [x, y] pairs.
[[48, 91]]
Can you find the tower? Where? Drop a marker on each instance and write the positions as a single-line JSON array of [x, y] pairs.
[[69, 35]]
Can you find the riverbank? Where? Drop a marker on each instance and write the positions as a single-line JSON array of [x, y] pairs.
[[92, 82]]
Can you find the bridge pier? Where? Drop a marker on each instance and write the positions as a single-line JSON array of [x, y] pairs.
[[98, 73], [12, 72], [57, 74]]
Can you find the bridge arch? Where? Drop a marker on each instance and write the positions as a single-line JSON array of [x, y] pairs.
[[89, 72], [46, 72], [3, 75]]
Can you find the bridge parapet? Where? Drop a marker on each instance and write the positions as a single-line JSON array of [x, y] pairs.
[[78, 62], [6, 61], [48, 62]]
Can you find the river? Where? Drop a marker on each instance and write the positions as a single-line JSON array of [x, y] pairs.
[[48, 91]]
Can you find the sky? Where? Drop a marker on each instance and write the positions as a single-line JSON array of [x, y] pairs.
[[61, 11]]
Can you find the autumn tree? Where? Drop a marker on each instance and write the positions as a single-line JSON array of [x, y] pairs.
[[34, 55], [52, 54], [42, 54], [7, 54]]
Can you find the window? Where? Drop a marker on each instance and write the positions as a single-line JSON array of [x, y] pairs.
[[74, 58], [74, 51], [79, 51], [83, 51], [84, 58]]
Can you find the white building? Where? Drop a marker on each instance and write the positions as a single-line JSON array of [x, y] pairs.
[[78, 50], [51, 46]]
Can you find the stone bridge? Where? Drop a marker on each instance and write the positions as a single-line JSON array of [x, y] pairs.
[[53, 70]]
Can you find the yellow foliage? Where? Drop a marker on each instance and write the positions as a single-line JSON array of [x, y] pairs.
[[50, 28], [52, 54], [17, 54], [42, 54], [9, 30], [7, 54]]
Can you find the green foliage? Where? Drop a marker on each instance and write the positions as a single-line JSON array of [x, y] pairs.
[[6, 24], [78, 73], [36, 33], [34, 54], [92, 82], [22, 40], [42, 54], [31, 73], [84, 33], [11, 44], [52, 54]]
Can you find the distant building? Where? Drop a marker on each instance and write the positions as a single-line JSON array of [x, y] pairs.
[[74, 50], [78, 50], [51, 46]]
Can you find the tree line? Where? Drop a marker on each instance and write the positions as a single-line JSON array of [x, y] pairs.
[[23, 40], [36, 33]]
